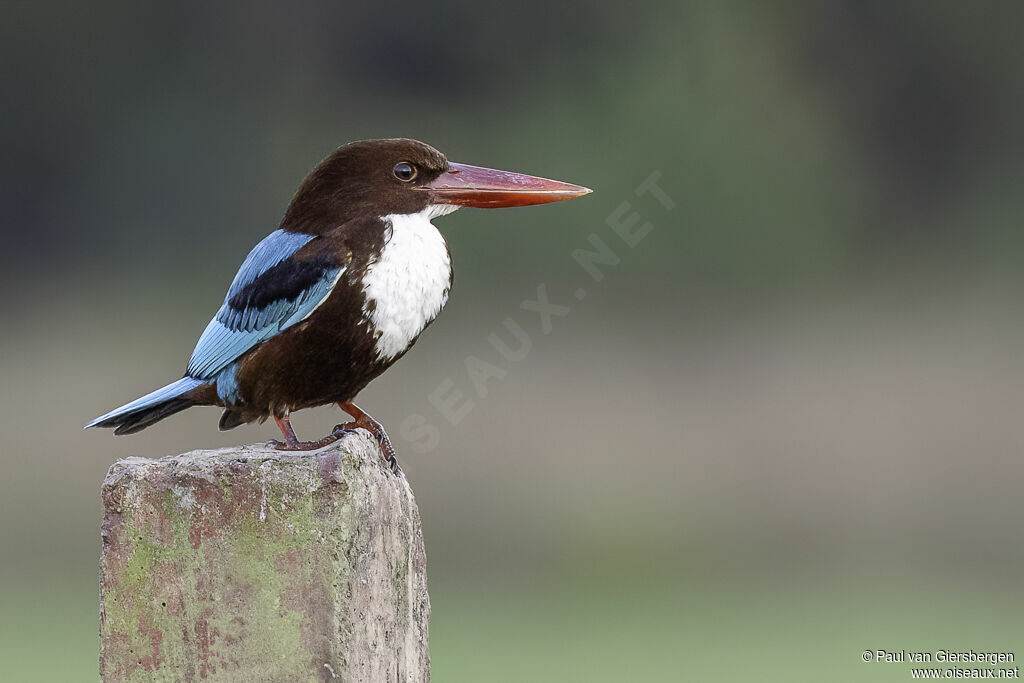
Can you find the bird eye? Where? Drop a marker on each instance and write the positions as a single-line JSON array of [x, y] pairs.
[[404, 171]]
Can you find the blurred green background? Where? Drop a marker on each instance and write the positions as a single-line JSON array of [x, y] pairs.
[[784, 429]]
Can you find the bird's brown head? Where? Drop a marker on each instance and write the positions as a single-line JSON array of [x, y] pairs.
[[404, 176]]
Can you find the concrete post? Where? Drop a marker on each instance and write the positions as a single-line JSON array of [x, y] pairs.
[[248, 564]]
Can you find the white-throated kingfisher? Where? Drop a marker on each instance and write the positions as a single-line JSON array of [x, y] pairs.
[[338, 293]]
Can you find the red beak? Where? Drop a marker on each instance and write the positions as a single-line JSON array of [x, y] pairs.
[[487, 188]]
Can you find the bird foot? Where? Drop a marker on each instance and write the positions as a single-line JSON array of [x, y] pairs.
[[387, 451], [362, 420]]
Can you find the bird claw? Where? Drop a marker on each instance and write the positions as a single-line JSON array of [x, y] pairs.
[[387, 451], [362, 420]]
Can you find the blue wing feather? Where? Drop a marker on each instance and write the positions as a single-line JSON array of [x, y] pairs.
[[234, 330], [272, 249]]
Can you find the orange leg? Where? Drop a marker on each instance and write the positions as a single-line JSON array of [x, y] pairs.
[[292, 443], [365, 421]]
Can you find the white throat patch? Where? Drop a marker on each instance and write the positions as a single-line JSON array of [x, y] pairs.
[[408, 285]]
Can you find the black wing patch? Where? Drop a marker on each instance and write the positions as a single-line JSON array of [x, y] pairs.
[[281, 296], [285, 281]]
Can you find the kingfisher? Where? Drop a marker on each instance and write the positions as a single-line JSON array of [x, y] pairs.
[[338, 293]]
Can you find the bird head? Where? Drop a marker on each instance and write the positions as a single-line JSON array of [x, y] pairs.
[[404, 176]]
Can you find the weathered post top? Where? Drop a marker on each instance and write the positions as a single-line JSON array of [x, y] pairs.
[[249, 564]]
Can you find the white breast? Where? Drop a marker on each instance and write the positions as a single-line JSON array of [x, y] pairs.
[[408, 285]]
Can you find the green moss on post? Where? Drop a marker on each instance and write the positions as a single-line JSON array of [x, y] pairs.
[[250, 564]]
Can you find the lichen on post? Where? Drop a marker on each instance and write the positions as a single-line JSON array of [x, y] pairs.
[[248, 564]]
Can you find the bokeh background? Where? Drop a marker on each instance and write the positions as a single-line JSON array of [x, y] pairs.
[[785, 428]]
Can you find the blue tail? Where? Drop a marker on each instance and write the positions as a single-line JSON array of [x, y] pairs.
[[142, 412]]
